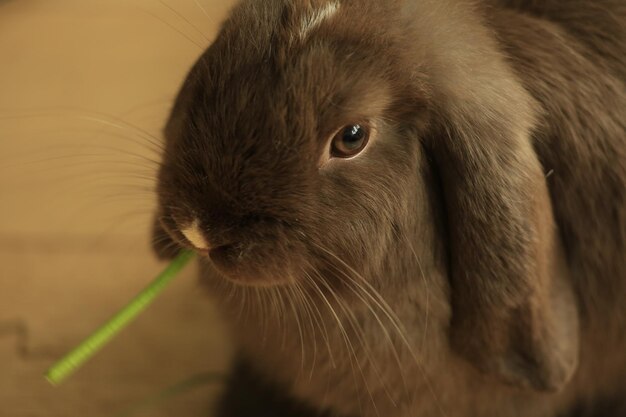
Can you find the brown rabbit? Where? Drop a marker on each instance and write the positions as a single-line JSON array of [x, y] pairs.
[[410, 208]]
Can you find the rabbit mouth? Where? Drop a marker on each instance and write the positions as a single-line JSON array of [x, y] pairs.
[[251, 266], [247, 255], [244, 263]]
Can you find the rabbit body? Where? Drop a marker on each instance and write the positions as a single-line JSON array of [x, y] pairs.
[[470, 262]]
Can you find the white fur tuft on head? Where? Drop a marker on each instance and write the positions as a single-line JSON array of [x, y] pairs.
[[313, 20]]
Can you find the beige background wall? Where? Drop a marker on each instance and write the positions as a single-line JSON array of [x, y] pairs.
[[85, 85]]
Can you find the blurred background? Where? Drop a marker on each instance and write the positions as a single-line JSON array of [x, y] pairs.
[[85, 88]]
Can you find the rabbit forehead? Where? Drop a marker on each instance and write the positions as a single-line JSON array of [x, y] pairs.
[[287, 101]]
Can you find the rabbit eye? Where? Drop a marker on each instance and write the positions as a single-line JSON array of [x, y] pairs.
[[349, 141]]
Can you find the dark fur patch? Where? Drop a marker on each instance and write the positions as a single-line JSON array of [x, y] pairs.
[[249, 394]]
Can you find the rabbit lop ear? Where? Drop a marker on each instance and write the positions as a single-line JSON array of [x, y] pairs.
[[514, 315], [163, 245]]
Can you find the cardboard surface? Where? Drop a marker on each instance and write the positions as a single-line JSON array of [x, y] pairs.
[[85, 86]]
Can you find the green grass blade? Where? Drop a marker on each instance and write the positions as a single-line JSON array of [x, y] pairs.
[[73, 360]]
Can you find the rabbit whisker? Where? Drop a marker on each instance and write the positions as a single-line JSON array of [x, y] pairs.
[[182, 17], [382, 304], [346, 339], [174, 28]]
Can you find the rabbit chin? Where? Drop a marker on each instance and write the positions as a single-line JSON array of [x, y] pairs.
[[254, 275]]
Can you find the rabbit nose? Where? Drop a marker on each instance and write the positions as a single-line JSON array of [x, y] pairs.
[[193, 233]]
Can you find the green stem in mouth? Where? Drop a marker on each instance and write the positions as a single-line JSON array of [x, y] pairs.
[[77, 357]]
